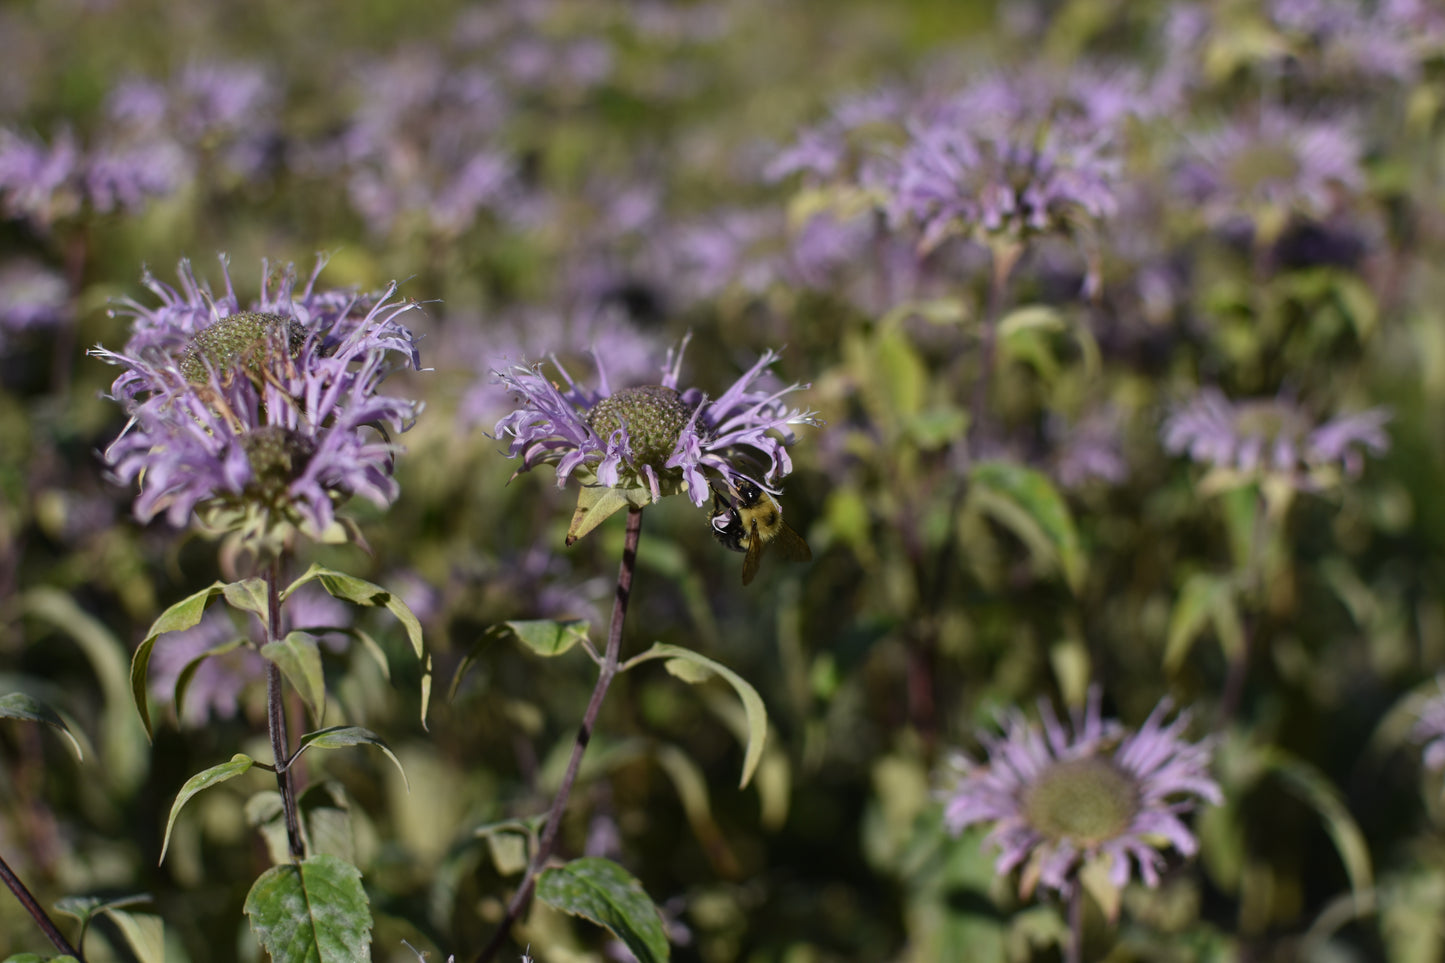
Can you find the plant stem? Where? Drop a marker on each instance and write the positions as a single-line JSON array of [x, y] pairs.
[[1074, 952], [34, 909], [276, 718], [584, 735]]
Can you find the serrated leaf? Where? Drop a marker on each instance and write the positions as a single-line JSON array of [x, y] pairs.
[[597, 503], [188, 673], [314, 911], [1025, 501], [213, 776], [184, 614], [692, 667], [359, 591], [299, 659], [342, 737], [18, 705], [606, 894], [545, 637]]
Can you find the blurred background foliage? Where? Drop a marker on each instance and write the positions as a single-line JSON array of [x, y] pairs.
[[553, 176]]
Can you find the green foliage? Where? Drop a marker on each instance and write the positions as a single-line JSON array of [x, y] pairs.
[[606, 894], [313, 911], [693, 668], [144, 933], [214, 776], [18, 705], [341, 737]]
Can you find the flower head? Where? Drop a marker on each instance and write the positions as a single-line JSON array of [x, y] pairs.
[[264, 419], [1273, 436], [1059, 800], [656, 437]]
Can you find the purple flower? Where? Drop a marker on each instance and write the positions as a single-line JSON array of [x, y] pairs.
[[653, 436], [1274, 436], [1271, 167], [1058, 800], [262, 419], [218, 682], [32, 296]]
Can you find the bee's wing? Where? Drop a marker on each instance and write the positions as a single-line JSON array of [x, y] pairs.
[[791, 545], [754, 556]]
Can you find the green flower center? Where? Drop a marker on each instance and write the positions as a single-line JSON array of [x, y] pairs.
[[249, 342], [653, 415], [1262, 165], [1086, 801], [277, 456]]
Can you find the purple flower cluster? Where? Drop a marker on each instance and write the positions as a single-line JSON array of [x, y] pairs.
[[1273, 436], [653, 436], [260, 418], [1058, 800], [31, 296]]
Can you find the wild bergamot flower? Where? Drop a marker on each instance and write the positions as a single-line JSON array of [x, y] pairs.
[[260, 421], [652, 440], [1062, 800]]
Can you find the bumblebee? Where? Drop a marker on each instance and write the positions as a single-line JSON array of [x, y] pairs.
[[748, 519]]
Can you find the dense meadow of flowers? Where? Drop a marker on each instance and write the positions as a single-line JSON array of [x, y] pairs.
[[1058, 573]]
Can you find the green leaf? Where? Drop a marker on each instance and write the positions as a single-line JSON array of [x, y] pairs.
[[214, 776], [144, 932], [904, 378], [188, 673], [314, 911], [606, 894], [18, 705], [597, 503], [87, 908], [1026, 502], [1205, 599], [184, 614], [693, 668], [342, 737], [1316, 791], [299, 658], [691, 786], [543, 636], [122, 748], [325, 814], [358, 591], [37, 958], [249, 595]]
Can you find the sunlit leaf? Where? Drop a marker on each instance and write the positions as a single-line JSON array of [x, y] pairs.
[[299, 659], [184, 614], [359, 591], [238, 764], [693, 668], [314, 911], [344, 737], [542, 636], [601, 891], [597, 503]]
